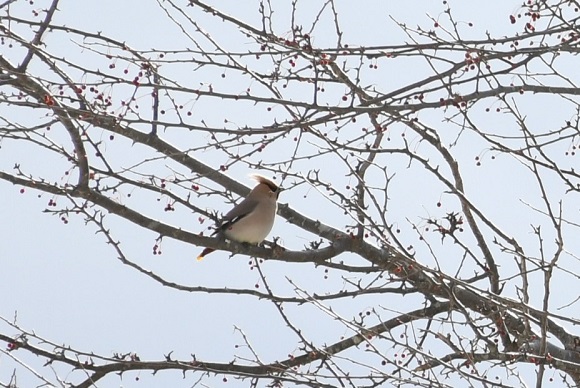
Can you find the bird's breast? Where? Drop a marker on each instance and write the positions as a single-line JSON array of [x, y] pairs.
[[255, 226]]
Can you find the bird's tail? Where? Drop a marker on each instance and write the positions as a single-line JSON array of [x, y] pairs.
[[205, 252]]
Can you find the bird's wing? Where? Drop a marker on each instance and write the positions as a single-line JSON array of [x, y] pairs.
[[239, 211]]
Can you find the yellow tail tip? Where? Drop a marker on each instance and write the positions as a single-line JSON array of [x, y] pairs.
[[205, 252]]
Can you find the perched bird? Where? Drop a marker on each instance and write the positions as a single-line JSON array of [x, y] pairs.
[[251, 220]]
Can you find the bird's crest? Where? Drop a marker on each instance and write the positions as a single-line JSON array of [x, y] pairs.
[[261, 179]]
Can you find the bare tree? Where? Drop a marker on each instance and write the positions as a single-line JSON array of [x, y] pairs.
[[431, 171]]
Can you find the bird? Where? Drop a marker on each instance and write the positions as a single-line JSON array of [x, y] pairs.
[[251, 220]]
